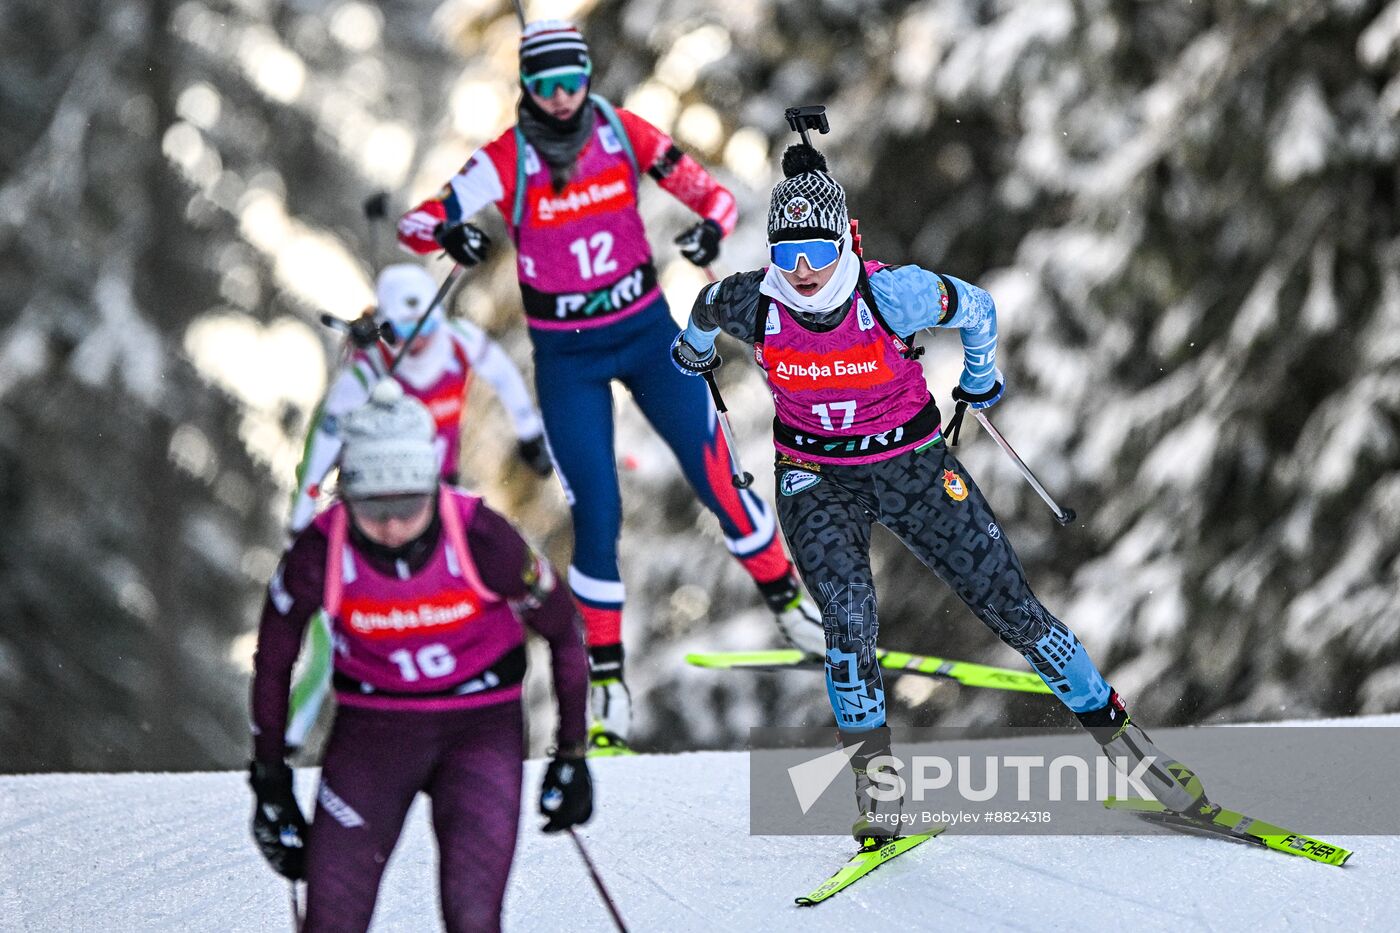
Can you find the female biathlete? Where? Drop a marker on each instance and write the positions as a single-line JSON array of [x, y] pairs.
[[566, 179], [426, 589], [859, 441], [436, 368]]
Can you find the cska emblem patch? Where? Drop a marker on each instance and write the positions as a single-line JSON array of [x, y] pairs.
[[954, 486]]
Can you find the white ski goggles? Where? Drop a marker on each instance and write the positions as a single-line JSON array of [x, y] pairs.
[[819, 253]]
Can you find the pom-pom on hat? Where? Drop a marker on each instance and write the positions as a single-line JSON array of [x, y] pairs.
[[389, 446], [553, 47], [808, 203]]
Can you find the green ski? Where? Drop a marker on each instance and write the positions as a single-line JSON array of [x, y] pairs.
[[1232, 824], [895, 662], [863, 863]]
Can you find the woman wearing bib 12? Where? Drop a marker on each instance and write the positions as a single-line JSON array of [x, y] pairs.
[[566, 180], [859, 441]]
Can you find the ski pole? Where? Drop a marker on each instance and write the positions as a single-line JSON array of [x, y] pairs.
[[297, 917], [446, 287], [1063, 516], [375, 209], [363, 332], [598, 882], [741, 478], [520, 13]]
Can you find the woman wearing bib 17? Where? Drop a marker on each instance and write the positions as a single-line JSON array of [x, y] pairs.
[[859, 441], [566, 179]]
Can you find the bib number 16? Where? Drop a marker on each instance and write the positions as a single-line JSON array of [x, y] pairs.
[[824, 411], [433, 660]]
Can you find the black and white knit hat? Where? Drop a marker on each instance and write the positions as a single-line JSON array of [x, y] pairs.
[[553, 47], [389, 446], [808, 203]]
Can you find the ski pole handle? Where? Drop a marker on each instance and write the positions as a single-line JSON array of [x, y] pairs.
[[363, 336], [1063, 516], [741, 478]]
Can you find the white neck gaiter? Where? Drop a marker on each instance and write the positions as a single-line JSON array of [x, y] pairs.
[[834, 293]]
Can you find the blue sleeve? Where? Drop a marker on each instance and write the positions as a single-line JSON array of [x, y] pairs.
[[699, 338], [912, 298]]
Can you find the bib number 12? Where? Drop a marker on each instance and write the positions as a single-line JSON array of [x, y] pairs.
[[594, 254]]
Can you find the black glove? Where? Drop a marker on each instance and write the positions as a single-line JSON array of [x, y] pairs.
[[465, 243], [536, 455], [279, 829], [566, 797], [691, 361], [700, 244], [366, 331]]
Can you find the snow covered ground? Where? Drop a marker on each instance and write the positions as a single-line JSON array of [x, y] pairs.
[[172, 852]]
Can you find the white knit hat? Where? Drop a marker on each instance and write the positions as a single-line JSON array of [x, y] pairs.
[[389, 446], [403, 292]]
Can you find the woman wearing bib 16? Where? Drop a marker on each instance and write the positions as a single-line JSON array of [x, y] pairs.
[[429, 593], [566, 179], [859, 441]]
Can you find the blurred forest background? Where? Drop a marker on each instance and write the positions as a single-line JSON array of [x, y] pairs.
[[1186, 211]]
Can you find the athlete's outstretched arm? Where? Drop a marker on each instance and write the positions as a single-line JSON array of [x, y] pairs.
[[349, 391], [678, 174], [512, 569], [465, 194], [293, 596], [912, 298], [488, 359], [731, 305]]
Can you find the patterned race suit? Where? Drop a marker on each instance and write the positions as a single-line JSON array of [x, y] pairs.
[[859, 442], [429, 662]]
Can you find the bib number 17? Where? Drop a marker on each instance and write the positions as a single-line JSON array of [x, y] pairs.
[[824, 410]]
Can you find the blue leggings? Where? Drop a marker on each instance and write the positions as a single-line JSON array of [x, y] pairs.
[[574, 371]]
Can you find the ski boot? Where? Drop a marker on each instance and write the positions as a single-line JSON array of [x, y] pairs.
[[610, 701], [879, 820], [1174, 785], [798, 619]]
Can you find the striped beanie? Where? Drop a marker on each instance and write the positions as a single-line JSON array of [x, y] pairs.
[[550, 47]]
